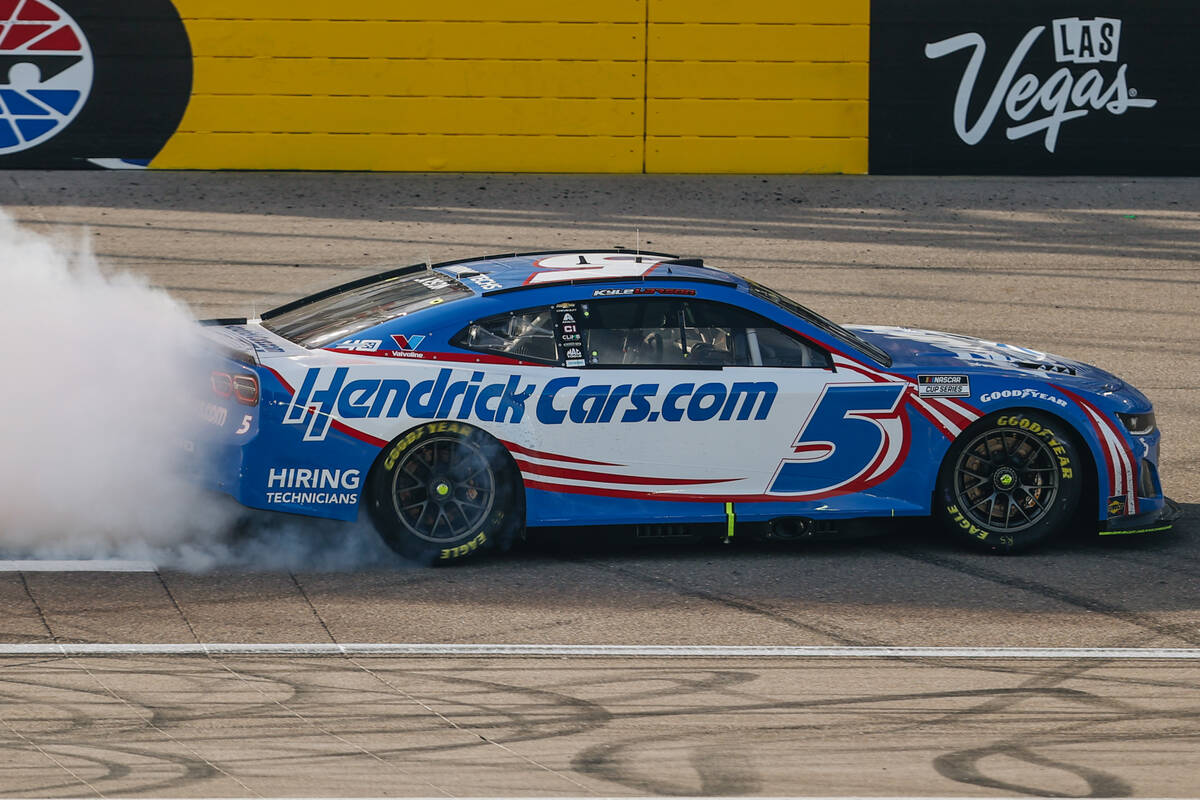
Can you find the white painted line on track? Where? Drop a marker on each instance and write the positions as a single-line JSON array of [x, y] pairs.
[[592, 651], [96, 565]]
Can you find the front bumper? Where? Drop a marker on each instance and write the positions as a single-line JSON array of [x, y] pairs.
[[1160, 520]]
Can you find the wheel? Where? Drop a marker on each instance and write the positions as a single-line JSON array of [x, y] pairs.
[[1010, 482], [444, 492]]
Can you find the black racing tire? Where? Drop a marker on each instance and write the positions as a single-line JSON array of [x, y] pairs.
[[445, 492], [1011, 481]]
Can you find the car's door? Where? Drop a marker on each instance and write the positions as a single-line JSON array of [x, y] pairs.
[[684, 397]]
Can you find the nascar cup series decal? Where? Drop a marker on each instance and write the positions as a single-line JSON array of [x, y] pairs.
[[943, 386], [1042, 104], [46, 72]]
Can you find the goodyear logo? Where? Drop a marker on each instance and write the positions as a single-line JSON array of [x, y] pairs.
[[46, 73], [327, 394]]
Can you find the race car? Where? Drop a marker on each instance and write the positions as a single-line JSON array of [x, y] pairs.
[[457, 404]]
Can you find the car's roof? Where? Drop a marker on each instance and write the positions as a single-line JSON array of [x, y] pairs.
[[511, 271], [507, 272]]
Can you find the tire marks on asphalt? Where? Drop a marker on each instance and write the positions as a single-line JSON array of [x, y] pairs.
[[1184, 633], [970, 765], [671, 726], [965, 766], [836, 633]]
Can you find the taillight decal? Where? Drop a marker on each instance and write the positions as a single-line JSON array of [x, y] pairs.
[[243, 388]]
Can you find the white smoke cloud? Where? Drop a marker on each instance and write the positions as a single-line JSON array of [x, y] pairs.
[[101, 374]]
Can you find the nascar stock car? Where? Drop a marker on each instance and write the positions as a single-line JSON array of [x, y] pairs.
[[457, 403]]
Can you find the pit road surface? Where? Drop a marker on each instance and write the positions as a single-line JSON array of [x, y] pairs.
[[1105, 271]]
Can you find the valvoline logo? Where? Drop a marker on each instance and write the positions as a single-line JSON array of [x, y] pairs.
[[325, 394], [46, 72], [410, 342]]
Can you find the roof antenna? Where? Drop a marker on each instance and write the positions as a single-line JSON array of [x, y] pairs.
[[428, 262], [637, 245]]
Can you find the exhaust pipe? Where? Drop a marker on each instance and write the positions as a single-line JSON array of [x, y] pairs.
[[790, 528]]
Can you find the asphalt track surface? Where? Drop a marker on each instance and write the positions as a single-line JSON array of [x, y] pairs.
[[1107, 271]]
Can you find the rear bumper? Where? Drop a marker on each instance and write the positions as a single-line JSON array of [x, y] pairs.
[[1160, 520]]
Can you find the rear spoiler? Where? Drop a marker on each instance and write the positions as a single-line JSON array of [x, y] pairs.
[[225, 343]]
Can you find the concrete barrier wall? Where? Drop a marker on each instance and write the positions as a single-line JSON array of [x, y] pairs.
[[751, 86], [520, 85], [527, 85]]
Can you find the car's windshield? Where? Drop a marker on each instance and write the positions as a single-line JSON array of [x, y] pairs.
[[832, 328], [328, 319]]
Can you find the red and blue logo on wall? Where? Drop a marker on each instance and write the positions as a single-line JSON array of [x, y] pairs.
[[45, 72], [90, 83]]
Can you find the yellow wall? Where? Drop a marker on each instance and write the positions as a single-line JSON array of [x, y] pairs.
[[526, 85]]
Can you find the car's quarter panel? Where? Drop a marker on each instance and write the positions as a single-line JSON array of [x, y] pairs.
[[227, 428], [278, 470]]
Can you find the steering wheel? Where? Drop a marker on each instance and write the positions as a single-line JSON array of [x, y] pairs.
[[702, 352]]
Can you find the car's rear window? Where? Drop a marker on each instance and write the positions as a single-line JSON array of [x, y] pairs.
[[329, 319]]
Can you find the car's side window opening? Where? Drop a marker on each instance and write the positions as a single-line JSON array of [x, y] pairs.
[[683, 333], [527, 334]]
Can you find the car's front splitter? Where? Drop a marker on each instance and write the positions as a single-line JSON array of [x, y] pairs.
[[1160, 520]]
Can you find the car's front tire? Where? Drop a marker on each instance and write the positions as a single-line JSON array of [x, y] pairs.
[[1011, 481], [444, 492]]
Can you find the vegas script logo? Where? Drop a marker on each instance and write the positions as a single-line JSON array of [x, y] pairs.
[[1063, 96]]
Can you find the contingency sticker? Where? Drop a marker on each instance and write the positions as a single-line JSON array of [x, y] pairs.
[[943, 386], [567, 317], [1116, 506]]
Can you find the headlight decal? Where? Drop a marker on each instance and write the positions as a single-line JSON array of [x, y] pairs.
[[1139, 424]]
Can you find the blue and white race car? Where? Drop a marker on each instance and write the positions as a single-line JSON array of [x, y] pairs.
[[459, 403]]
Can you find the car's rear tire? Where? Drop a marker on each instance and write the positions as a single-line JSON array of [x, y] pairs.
[[445, 492], [1010, 481]]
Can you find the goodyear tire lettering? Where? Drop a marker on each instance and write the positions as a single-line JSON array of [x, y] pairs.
[[1066, 468], [434, 427]]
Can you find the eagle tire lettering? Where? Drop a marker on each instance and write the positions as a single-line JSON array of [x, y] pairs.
[[464, 549]]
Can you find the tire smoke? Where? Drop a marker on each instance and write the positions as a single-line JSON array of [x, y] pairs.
[[100, 396], [96, 406]]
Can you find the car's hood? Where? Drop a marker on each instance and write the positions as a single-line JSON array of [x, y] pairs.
[[915, 349]]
